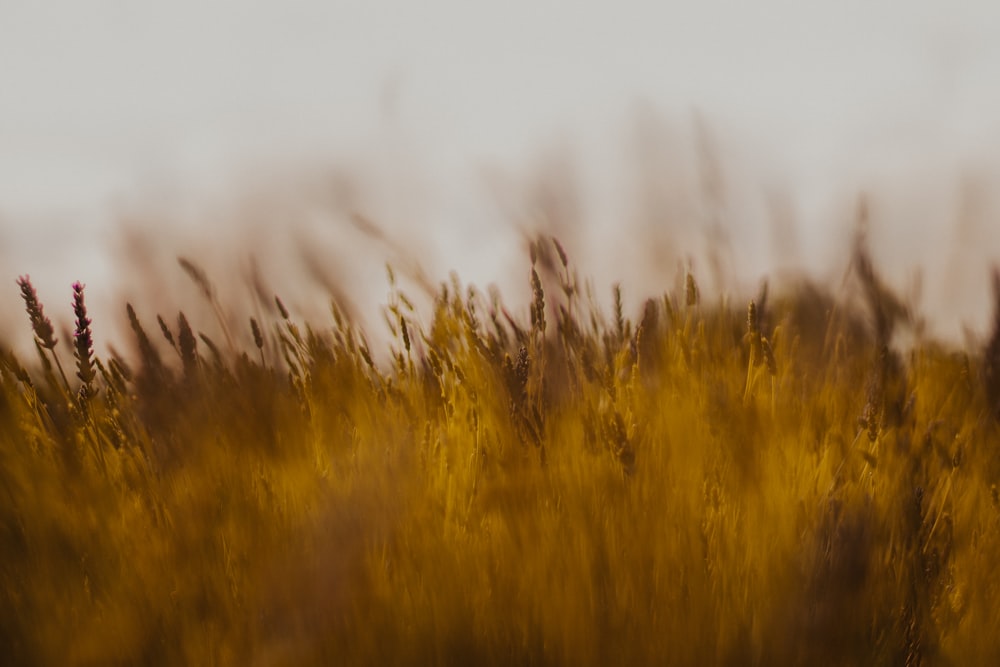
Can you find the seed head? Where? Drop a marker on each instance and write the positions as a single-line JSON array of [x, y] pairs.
[[166, 332], [619, 312], [691, 291], [188, 344], [561, 252], [753, 331], [83, 342], [40, 324], [281, 307], [258, 338], [198, 275], [406, 334], [537, 303]]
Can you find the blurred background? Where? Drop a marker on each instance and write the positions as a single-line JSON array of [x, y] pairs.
[[304, 144]]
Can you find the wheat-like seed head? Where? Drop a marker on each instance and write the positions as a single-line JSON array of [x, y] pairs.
[[366, 355], [212, 347], [198, 275], [258, 337], [40, 324], [166, 332], [150, 357], [281, 307], [753, 331], [690, 291], [537, 303], [405, 333], [563, 259], [619, 314], [83, 342], [188, 344]]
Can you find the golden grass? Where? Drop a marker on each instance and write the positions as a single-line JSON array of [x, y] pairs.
[[713, 484]]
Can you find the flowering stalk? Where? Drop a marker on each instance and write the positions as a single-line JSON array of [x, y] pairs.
[[40, 324], [83, 341], [188, 346]]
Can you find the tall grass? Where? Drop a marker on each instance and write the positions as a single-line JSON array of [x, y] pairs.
[[771, 482]]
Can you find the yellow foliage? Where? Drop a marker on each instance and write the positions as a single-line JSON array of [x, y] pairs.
[[698, 487]]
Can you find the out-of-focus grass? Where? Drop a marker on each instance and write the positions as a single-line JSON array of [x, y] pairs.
[[701, 484]]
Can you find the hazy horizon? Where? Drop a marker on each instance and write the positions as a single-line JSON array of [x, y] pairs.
[[225, 129]]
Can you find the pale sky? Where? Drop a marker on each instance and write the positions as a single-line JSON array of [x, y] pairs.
[[107, 103]]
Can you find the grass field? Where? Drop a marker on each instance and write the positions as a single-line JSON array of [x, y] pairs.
[[701, 482]]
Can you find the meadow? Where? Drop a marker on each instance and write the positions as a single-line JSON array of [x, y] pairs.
[[770, 481]]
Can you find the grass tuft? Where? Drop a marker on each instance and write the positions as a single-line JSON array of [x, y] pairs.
[[564, 485]]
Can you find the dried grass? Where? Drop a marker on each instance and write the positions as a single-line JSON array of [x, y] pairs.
[[707, 485]]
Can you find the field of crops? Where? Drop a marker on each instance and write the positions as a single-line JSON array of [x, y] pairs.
[[700, 482]]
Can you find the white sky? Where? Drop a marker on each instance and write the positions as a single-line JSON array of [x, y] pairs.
[[105, 101]]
